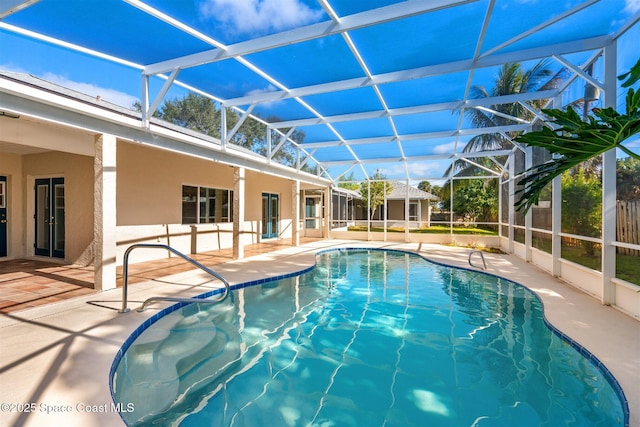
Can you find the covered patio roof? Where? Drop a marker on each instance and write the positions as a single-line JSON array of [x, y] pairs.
[[372, 85]]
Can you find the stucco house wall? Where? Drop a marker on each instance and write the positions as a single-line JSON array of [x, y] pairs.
[[11, 167], [78, 174]]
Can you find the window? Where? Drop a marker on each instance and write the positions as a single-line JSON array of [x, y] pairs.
[[203, 205], [413, 211]]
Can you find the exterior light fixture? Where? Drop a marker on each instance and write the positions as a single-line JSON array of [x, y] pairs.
[[591, 93]]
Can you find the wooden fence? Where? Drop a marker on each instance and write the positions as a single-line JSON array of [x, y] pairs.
[[628, 224]]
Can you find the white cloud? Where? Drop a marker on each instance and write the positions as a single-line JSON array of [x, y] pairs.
[[632, 6], [392, 172], [269, 88], [445, 148], [111, 95], [422, 169], [259, 16]]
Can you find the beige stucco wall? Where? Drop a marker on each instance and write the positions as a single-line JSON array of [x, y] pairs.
[[11, 167], [150, 181], [396, 210], [78, 174], [149, 188], [149, 200], [257, 184], [425, 213]]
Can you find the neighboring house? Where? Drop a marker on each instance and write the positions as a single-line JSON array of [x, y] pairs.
[[81, 180], [349, 208]]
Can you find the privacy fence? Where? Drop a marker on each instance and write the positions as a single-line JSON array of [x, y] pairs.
[[628, 224]]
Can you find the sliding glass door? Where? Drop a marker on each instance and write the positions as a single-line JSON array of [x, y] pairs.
[[3, 216], [49, 217], [270, 217]]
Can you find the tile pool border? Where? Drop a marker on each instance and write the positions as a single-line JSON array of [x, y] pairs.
[[613, 382]]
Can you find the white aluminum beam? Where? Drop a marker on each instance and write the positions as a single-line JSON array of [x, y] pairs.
[[283, 139], [8, 7], [241, 120], [462, 156], [427, 108], [428, 71], [310, 32], [542, 26], [416, 136], [579, 71], [163, 91], [67, 45], [130, 129]]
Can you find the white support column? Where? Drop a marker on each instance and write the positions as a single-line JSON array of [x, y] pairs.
[[451, 206], [239, 197], [326, 212], [407, 236], [368, 209], [269, 144], [556, 225], [295, 213], [104, 212], [528, 219], [512, 199], [223, 127], [384, 212], [500, 207], [145, 101], [609, 185], [556, 215]]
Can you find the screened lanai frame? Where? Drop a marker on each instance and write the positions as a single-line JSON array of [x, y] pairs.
[[378, 127]]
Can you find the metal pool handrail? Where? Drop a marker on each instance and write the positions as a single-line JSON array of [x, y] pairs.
[[484, 263], [125, 271]]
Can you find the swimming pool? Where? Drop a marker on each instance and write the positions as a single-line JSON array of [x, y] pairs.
[[366, 337]]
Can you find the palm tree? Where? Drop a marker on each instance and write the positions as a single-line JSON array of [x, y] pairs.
[[511, 79], [577, 140]]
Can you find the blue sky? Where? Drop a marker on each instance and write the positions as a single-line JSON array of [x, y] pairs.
[[233, 21], [238, 20]]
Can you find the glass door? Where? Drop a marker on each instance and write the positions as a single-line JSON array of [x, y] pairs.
[[50, 217], [270, 217], [311, 209], [3, 216]]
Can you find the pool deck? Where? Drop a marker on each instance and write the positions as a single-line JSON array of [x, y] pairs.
[[57, 357]]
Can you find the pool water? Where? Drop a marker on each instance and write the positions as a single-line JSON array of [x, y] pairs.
[[366, 338]]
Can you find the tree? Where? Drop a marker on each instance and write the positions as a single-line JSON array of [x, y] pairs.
[[574, 141], [379, 187], [348, 182], [628, 179], [195, 112], [425, 186], [473, 199], [511, 79], [437, 191], [582, 206], [200, 114]]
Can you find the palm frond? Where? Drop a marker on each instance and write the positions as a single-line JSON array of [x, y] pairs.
[[632, 76], [575, 141]]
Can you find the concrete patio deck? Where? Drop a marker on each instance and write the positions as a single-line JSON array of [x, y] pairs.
[[57, 356]]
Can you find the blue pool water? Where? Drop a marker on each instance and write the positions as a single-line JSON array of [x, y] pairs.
[[366, 338]]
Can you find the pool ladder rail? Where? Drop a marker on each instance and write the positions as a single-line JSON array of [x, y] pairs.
[[125, 271], [484, 263]]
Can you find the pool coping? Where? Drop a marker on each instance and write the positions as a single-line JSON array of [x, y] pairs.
[[24, 378]]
